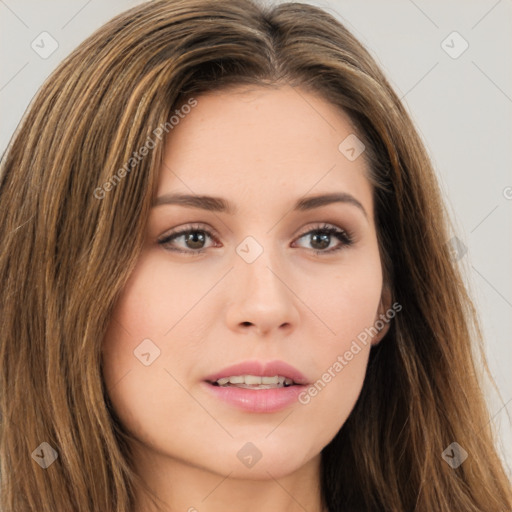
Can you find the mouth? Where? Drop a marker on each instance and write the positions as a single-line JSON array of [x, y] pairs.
[[257, 387], [258, 375]]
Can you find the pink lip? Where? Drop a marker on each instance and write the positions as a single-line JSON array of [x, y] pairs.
[[262, 400]]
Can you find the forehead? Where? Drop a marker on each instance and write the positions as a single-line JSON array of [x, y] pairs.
[[262, 144]]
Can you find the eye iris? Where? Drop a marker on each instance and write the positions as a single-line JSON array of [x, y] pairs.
[[324, 239], [196, 237]]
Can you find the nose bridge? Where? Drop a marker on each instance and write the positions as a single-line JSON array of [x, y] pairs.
[[261, 295], [259, 266]]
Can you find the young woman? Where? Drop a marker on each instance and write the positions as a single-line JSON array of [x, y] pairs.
[[226, 283]]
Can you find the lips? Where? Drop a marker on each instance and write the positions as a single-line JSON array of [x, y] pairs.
[[248, 369], [244, 391]]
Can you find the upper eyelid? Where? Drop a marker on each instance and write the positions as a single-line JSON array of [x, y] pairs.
[[187, 228]]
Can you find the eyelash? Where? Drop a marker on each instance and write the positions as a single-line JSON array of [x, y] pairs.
[[344, 236]]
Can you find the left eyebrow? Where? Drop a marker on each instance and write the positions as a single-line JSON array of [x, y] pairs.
[[218, 204]]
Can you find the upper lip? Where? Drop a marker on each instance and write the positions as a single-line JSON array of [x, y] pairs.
[[262, 369]]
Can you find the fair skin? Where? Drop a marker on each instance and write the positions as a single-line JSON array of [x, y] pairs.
[[261, 150]]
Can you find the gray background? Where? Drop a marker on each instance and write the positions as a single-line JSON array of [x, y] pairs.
[[461, 106]]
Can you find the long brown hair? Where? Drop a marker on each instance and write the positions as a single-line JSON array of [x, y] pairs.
[[70, 242]]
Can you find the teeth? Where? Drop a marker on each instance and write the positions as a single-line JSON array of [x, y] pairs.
[[255, 380]]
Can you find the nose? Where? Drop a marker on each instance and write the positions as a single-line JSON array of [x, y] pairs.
[[261, 297]]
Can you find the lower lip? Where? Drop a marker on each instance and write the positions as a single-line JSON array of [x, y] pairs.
[[257, 400]]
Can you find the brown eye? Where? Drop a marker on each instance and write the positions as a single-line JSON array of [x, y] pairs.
[[194, 240], [322, 237]]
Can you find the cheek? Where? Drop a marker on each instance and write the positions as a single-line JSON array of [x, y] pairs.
[[334, 393], [150, 305], [133, 354], [160, 297], [345, 299], [138, 359], [132, 334], [346, 307]]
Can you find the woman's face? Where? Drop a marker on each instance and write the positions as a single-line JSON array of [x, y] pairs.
[[257, 284]]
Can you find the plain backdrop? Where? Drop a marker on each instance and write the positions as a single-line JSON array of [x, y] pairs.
[[450, 63]]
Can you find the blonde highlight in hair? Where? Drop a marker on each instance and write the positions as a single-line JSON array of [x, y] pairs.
[[67, 255]]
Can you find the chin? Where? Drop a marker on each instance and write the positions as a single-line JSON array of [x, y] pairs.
[[262, 458]]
